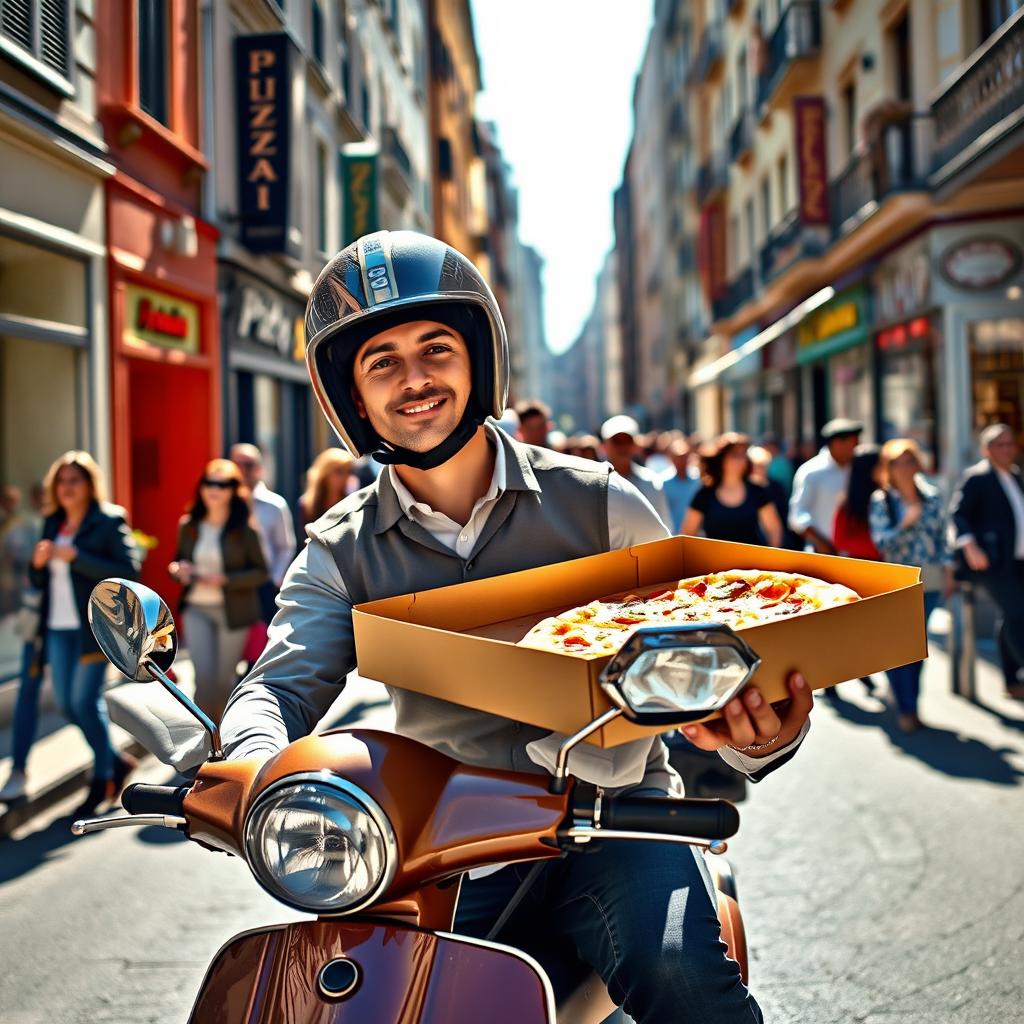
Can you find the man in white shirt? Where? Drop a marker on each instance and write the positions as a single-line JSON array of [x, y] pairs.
[[619, 434], [987, 522], [820, 484]]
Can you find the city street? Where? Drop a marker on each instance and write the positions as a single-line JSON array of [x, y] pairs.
[[878, 875]]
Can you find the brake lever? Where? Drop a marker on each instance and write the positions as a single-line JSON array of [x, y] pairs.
[[85, 825]]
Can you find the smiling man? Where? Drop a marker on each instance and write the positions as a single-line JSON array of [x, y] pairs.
[[408, 356]]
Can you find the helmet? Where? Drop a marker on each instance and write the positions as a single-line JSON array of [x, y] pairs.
[[380, 281]]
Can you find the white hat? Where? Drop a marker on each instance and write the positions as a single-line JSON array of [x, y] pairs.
[[620, 424]]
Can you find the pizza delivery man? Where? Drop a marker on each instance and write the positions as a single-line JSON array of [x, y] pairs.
[[408, 356]]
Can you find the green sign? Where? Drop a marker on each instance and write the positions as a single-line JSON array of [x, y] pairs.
[[839, 324], [359, 185]]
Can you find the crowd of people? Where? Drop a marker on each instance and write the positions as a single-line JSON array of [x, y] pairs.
[[237, 538]]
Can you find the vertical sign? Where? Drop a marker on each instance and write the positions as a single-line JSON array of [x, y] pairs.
[[359, 182], [812, 164], [263, 96]]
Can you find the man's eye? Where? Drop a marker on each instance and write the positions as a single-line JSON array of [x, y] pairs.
[[438, 348], [381, 364]]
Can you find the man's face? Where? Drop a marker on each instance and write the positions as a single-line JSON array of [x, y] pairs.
[[620, 449], [1003, 450], [249, 461], [534, 429], [842, 448], [412, 382]]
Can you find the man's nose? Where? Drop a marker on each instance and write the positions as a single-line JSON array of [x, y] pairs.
[[417, 375]]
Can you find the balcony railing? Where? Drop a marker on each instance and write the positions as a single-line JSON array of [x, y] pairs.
[[790, 241], [898, 162], [710, 51], [797, 35], [989, 90], [396, 167], [741, 138], [712, 178], [739, 291]]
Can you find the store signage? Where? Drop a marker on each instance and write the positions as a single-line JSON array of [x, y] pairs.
[[153, 318], [711, 251], [902, 287], [838, 324], [980, 264], [812, 160], [265, 318], [263, 94], [359, 180]]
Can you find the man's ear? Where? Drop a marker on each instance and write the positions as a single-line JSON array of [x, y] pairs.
[[360, 408]]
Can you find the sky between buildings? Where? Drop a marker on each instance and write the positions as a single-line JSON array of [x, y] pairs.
[[558, 82]]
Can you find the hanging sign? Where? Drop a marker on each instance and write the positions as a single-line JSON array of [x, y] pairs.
[[359, 181], [812, 162]]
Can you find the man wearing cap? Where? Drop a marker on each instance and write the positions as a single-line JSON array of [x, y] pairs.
[[619, 434], [821, 482]]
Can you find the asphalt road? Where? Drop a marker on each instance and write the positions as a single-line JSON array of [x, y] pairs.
[[879, 876]]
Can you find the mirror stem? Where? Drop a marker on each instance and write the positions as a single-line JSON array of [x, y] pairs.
[[191, 707], [561, 765]]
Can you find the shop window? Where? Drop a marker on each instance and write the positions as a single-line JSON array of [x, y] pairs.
[[850, 390], [997, 373], [906, 385], [39, 29], [37, 284], [153, 59], [267, 411]]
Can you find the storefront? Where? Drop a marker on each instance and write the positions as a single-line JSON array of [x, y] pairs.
[[742, 382], [165, 362], [781, 388], [269, 401], [835, 360]]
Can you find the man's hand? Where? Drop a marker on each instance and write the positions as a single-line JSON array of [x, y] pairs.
[[975, 556], [750, 719]]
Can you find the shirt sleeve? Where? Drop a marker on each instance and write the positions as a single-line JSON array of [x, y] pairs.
[[800, 516], [700, 499], [754, 767], [631, 517], [761, 495], [310, 650]]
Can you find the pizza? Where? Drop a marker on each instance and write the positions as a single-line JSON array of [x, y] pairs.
[[738, 598]]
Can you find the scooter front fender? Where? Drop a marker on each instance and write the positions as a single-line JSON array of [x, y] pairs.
[[402, 975]]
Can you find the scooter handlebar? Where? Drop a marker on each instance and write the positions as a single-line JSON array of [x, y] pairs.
[[701, 819], [142, 798]]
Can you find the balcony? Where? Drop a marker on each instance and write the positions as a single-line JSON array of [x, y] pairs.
[[738, 291], [899, 163], [712, 179], [796, 36], [979, 111], [789, 242], [741, 138], [709, 53], [396, 167]]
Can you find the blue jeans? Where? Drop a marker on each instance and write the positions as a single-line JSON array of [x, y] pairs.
[[642, 914], [26, 709], [78, 685], [905, 681]]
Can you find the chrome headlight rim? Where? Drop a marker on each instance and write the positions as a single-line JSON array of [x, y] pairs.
[[343, 786]]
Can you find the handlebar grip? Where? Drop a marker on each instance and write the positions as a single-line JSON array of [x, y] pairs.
[[142, 798], [702, 819]]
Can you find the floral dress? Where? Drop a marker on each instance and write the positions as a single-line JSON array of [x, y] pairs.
[[924, 543]]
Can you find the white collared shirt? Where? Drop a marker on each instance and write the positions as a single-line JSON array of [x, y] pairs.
[[1016, 500]]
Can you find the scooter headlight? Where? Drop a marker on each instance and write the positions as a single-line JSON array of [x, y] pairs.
[[320, 844]]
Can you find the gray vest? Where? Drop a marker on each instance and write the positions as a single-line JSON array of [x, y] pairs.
[[554, 508]]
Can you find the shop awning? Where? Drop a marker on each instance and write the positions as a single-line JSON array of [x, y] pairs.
[[708, 374]]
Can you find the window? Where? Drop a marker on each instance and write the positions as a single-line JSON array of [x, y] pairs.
[[784, 184], [995, 12], [766, 205], [42, 29], [343, 38], [848, 103], [153, 59], [444, 159], [748, 216], [321, 197], [901, 55], [317, 33]]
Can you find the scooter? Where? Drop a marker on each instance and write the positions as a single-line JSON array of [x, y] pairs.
[[373, 833]]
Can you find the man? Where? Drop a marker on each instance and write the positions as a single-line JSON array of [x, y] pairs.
[[534, 423], [987, 514], [820, 484], [619, 434], [273, 518], [680, 487], [410, 369]]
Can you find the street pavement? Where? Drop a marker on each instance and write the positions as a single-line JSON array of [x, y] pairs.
[[879, 877]]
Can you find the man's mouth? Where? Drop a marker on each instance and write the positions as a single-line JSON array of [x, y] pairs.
[[421, 407]]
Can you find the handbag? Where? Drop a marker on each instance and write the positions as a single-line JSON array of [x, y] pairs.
[[29, 615]]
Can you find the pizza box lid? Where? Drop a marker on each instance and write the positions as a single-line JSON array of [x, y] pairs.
[[458, 643]]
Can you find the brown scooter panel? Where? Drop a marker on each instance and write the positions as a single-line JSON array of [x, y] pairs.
[[406, 976]]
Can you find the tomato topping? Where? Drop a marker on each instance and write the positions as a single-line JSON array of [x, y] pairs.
[[700, 589], [739, 590], [579, 640], [562, 628], [663, 595], [625, 620], [774, 591]]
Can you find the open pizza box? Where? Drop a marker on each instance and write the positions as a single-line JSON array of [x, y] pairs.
[[458, 643]]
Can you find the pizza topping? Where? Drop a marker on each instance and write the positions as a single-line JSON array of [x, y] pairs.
[[581, 641], [662, 595], [739, 589], [700, 588], [626, 621]]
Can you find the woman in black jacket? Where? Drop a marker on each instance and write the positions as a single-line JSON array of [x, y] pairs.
[[84, 541], [220, 563]]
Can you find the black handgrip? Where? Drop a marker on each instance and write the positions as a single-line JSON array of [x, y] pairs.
[[142, 798], [702, 819]]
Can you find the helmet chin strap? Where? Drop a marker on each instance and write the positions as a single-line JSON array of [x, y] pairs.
[[394, 455]]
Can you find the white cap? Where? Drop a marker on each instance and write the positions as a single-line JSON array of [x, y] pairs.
[[620, 424]]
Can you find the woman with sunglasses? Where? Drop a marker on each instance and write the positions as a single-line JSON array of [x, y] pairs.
[[220, 564]]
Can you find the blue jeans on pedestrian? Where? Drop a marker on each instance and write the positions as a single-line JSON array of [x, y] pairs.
[[642, 914], [26, 708], [905, 681], [78, 685]]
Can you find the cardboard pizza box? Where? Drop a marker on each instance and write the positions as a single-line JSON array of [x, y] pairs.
[[459, 642]]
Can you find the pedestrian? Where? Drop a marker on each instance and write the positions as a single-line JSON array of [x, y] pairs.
[[760, 467], [780, 468], [987, 515], [908, 526], [586, 446], [851, 528], [534, 422], [620, 435], [220, 563], [84, 540], [729, 505], [820, 484], [328, 480], [683, 483]]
